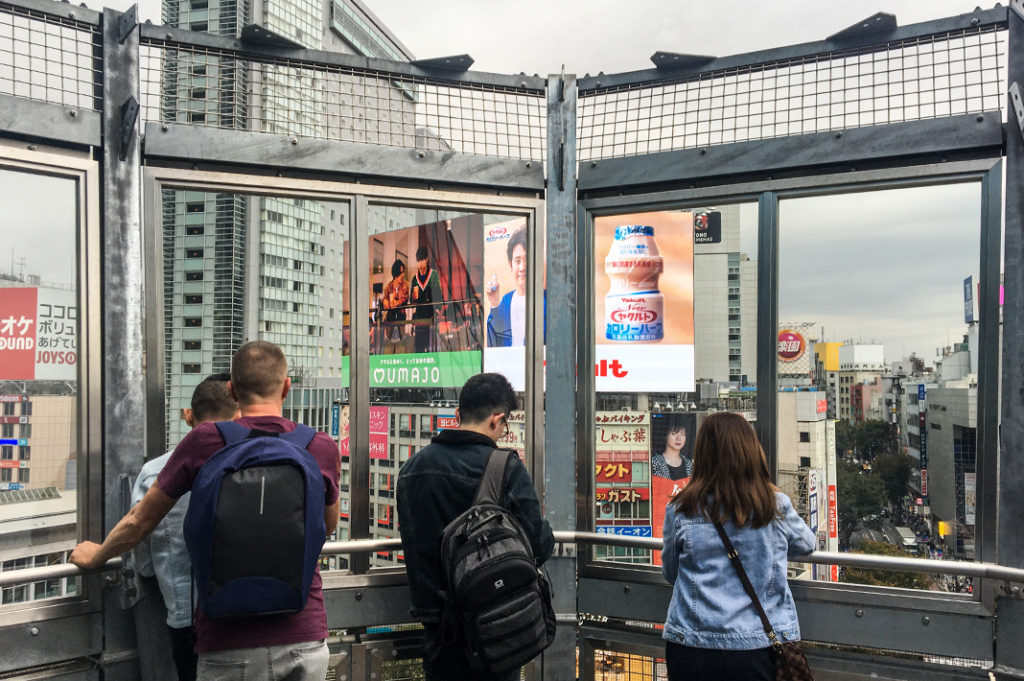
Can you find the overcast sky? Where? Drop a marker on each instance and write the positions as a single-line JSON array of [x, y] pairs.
[[539, 36]]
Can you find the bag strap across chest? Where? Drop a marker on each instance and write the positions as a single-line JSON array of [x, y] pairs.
[[734, 557], [492, 482]]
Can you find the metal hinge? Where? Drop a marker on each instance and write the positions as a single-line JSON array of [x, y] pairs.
[[129, 115], [1018, 7], [127, 22]]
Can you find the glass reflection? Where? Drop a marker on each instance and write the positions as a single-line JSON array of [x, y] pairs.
[[39, 359], [655, 383], [877, 356], [274, 268], [448, 300]]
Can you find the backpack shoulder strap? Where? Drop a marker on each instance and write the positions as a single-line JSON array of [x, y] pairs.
[[232, 432], [301, 436], [492, 482]]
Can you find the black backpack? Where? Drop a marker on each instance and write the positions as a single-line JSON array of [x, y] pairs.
[[497, 600], [255, 523]]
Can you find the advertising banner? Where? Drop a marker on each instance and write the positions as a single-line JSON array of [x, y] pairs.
[[672, 437], [426, 324], [968, 300], [626, 530], [833, 513], [970, 497], [922, 448], [707, 227], [425, 370], [380, 423], [504, 299], [622, 494], [38, 334], [516, 436], [622, 451], [380, 426], [795, 352], [643, 287], [621, 471], [812, 510]]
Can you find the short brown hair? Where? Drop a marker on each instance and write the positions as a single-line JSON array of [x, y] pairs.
[[212, 401], [730, 478], [258, 370]]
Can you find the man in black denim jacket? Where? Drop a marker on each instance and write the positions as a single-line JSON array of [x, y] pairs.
[[439, 483]]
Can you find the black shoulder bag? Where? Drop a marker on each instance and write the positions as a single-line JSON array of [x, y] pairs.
[[789, 660]]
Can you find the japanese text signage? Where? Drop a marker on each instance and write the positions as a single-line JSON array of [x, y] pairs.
[[38, 334], [643, 290]]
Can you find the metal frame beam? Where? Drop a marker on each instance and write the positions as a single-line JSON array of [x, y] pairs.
[[49, 123], [124, 375], [63, 10], [917, 142], [1010, 504], [560, 425], [194, 145]]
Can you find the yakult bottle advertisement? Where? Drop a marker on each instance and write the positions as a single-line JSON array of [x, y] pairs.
[[643, 287]]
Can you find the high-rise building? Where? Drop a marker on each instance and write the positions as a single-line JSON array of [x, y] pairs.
[[238, 267], [725, 305]]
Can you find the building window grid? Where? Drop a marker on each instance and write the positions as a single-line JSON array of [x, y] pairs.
[[344, 104]]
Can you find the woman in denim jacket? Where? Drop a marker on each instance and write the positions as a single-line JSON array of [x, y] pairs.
[[712, 630]]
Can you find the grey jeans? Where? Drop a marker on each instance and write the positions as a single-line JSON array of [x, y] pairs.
[[289, 662]]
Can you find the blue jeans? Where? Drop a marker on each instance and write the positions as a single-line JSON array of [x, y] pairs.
[[289, 662]]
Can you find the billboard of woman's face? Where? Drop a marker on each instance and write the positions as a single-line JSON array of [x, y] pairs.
[[672, 445]]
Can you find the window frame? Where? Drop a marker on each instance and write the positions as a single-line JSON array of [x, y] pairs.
[[84, 172]]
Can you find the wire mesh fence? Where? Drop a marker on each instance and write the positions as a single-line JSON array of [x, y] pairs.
[[50, 58], [219, 88], [960, 72]]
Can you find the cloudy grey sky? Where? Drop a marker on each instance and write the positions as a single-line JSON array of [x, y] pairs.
[[588, 36], [881, 267], [45, 229]]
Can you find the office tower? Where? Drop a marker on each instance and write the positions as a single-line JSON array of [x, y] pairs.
[[238, 267]]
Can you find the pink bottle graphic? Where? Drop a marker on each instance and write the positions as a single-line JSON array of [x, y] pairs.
[[634, 309]]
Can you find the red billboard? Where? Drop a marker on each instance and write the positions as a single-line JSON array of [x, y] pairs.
[[38, 334], [18, 334], [833, 517]]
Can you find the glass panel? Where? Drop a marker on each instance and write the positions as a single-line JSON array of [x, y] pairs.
[[448, 301], [39, 347], [878, 373], [272, 268], [676, 324]]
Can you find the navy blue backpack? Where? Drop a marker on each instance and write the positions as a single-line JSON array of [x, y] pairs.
[[255, 523]]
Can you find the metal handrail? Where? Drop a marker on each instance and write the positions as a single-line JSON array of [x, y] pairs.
[[856, 560], [38, 574]]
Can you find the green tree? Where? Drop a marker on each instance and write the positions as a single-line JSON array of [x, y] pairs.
[[894, 469], [859, 494], [903, 580], [874, 438], [846, 438]]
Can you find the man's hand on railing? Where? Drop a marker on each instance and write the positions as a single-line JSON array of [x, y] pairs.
[[86, 555]]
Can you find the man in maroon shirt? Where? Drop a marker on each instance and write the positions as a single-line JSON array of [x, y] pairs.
[[289, 646]]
